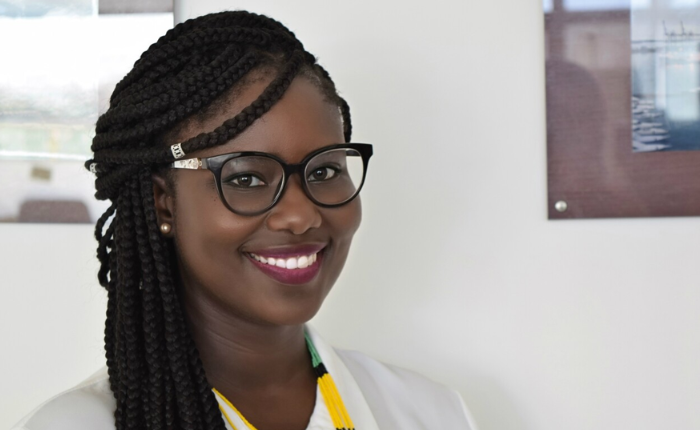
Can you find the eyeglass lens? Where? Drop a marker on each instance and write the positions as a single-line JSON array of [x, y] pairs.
[[251, 183]]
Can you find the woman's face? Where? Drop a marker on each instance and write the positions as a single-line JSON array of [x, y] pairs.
[[215, 246]]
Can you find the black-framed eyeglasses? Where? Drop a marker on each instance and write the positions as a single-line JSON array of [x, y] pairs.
[[250, 183]]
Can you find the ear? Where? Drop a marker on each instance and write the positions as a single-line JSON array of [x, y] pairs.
[[163, 196]]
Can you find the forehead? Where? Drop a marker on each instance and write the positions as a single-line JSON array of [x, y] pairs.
[[299, 123]]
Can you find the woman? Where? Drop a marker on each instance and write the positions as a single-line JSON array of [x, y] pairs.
[[211, 275]]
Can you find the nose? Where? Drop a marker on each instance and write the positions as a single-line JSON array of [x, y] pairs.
[[294, 212]]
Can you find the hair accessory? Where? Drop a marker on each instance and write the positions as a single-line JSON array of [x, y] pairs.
[[177, 150], [93, 167], [165, 228]]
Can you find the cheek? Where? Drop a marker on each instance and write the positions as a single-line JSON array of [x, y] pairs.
[[355, 217], [345, 221], [207, 234]]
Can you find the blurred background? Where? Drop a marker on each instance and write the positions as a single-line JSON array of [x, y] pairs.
[[60, 62], [456, 271]]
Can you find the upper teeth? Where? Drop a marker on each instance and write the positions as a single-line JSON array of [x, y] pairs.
[[288, 263]]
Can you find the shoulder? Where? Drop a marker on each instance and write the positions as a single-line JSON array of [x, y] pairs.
[[89, 405], [403, 395]]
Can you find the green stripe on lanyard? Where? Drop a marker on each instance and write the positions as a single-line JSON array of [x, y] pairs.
[[315, 358]]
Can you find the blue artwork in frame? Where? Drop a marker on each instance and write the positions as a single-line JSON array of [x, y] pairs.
[[665, 39]]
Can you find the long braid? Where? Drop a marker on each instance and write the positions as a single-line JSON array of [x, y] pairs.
[[129, 309], [155, 372], [152, 312]]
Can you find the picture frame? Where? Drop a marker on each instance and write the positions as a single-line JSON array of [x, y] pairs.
[[593, 170]]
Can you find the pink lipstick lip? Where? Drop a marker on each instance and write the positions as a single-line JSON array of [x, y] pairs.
[[289, 276], [290, 251]]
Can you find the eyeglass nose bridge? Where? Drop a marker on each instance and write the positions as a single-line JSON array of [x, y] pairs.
[[289, 170]]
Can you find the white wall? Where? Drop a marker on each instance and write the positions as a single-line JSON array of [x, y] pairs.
[[51, 314], [456, 272]]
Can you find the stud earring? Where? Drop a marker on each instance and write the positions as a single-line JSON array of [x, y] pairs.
[[165, 228]]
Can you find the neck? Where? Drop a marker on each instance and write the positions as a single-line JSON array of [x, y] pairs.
[[241, 356]]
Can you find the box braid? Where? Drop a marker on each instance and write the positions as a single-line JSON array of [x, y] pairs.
[[155, 372]]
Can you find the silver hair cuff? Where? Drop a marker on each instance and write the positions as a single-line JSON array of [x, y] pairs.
[[177, 150]]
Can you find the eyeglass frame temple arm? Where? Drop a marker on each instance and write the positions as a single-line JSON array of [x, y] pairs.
[[189, 163]]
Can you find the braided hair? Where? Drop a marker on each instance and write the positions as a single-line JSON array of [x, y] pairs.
[[155, 372]]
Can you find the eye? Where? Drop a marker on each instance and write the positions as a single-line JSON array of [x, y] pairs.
[[246, 181], [323, 173]]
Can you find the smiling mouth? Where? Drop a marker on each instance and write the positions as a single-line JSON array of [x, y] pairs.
[[289, 269], [291, 263]]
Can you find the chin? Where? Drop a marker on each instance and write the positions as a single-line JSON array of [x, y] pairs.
[[297, 313]]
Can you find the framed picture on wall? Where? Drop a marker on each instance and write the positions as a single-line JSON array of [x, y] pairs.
[[623, 108]]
